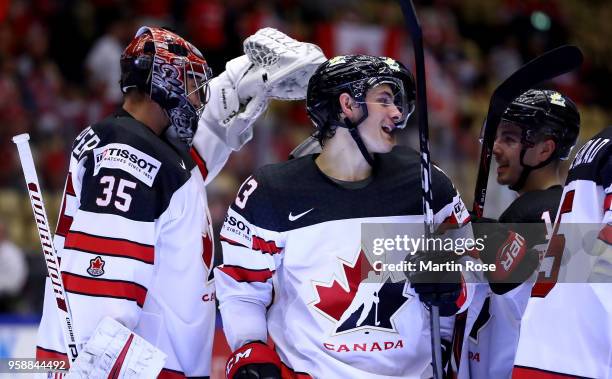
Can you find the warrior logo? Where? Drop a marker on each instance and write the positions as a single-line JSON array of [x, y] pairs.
[[364, 298], [96, 266]]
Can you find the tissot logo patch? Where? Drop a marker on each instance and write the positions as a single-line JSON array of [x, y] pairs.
[[129, 159], [96, 266]]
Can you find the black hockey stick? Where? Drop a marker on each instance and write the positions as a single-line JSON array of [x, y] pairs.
[[414, 28], [545, 67]]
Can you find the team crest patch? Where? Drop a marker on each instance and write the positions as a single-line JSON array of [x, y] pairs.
[[96, 266]]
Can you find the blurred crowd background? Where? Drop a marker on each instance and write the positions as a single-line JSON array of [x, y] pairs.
[[59, 72]]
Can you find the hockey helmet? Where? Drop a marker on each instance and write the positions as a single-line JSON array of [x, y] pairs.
[[545, 113], [355, 75], [160, 63]]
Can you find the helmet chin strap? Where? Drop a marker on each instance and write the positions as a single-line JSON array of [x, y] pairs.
[[352, 128], [520, 183]]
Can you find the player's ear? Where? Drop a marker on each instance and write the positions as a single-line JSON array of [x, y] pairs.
[[347, 104], [546, 148]]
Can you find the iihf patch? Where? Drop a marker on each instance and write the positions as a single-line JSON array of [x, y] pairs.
[[96, 266]]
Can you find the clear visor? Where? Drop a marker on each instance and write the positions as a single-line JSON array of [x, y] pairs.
[[197, 89], [395, 96]]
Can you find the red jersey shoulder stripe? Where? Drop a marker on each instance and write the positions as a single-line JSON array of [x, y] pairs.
[[266, 247], [109, 246], [119, 289], [199, 162], [241, 274]]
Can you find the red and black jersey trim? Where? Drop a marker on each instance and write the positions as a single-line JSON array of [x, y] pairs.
[[166, 373], [294, 374], [64, 222], [69, 190], [231, 242], [608, 203], [43, 354], [523, 372], [110, 246], [266, 247], [606, 234], [96, 287], [199, 162], [242, 274]]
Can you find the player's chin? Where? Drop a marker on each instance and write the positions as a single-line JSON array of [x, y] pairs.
[[503, 179]]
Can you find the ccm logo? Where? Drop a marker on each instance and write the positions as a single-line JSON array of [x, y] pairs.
[[235, 359]]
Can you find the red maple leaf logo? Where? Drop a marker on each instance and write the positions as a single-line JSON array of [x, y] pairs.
[[96, 264], [335, 299]]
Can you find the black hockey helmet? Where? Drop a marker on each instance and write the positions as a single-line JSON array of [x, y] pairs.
[[546, 113], [355, 75], [543, 114]]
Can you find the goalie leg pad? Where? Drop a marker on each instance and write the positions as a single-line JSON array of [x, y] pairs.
[[115, 351]]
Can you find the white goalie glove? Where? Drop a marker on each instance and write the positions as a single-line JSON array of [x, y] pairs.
[[275, 66], [115, 351]]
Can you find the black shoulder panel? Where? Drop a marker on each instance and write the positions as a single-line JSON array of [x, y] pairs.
[[529, 207], [130, 171], [296, 193], [592, 162]]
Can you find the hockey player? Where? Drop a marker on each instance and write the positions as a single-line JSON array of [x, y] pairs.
[[134, 234], [293, 262], [566, 331], [537, 131]]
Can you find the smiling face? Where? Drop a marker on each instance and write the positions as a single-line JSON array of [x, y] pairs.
[[507, 153], [377, 130]]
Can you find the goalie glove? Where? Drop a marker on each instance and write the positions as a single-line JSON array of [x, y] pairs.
[[275, 66], [114, 351], [287, 64]]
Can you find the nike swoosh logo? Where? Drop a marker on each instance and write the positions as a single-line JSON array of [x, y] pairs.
[[182, 164], [293, 218]]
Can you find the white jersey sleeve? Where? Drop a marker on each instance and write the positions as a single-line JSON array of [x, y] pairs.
[[209, 152], [250, 257]]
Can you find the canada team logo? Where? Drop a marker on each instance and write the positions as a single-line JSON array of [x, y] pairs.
[[96, 266], [362, 299]]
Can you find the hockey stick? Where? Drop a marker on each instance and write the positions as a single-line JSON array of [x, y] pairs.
[[414, 28], [545, 67], [46, 241]]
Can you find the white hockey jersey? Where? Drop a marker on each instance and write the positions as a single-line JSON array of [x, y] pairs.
[[134, 239], [566, 331], [294, 267]]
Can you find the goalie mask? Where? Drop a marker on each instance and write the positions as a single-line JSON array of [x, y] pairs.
[[543, 114], [170, 70], [355, 75]]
